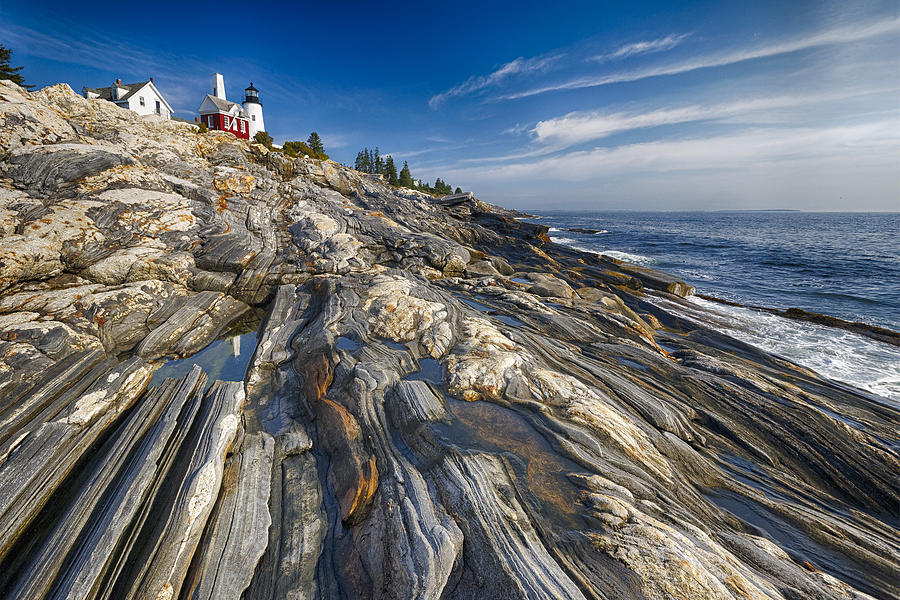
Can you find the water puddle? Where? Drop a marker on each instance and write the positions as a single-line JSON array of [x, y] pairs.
[[429, 370], [476, 305], [225, 359], [491, 428], [625, 362], [796, 543], [346, 344], [521, 280], [667, 347], [843, 419], [509, 320], [392, 344]]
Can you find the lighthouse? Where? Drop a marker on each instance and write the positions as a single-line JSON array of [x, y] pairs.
[[253, 108]]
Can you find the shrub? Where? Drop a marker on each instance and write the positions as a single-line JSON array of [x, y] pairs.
[[295, 149], [263, 138]]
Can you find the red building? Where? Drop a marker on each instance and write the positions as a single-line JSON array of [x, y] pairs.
[[223, 115]]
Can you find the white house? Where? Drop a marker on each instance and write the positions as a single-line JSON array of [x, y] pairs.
[[143, 97]]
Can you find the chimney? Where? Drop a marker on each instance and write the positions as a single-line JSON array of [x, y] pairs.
[[151, 80], [118, 82], [196, 119], [218, 85]]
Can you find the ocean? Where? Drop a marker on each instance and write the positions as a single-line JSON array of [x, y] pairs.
[[845, 265]]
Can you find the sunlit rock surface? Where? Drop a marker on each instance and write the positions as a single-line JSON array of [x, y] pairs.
[[437, 402]]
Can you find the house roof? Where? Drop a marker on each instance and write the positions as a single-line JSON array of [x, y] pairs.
[[215, 104], [106, 92]]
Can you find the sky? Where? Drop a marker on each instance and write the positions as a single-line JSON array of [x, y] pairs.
[[567, 105]]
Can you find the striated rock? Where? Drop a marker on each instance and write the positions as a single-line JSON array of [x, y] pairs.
[[550, 287], [47, 168], [416, 398]]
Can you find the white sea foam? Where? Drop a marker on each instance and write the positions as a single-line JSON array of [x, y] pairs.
[[626, 256], [567, 242], [637, 259], [833, 353]]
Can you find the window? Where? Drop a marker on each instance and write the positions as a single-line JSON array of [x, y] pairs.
[[253, 117], [225, 122], [142, 101], [210, 121], [243, 126], [158, 106]]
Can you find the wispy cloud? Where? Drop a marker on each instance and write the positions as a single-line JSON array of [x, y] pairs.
[[874, 144], [480, 82], [98, 50], [644, 47], [839, 35], [579, 127]]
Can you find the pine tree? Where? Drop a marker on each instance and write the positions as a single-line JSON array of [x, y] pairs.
[[359, 165], [458, 190], [378, 167], [390, 171], [315, 142], [405, 178], [368, 161], [10, 72]]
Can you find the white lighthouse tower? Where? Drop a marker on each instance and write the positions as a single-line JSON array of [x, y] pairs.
[[218, 86], [253, 108]]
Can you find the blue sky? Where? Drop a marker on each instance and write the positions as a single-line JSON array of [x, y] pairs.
[[566, 105]]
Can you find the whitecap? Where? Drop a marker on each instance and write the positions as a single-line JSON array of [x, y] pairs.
[[834, 353], [637, 259]]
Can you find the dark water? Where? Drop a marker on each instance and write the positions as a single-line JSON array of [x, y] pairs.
[[842, 264], [224, 359]]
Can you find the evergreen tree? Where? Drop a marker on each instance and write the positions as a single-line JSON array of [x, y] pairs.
[[367, 164], [359, 165], [390, 171], [378, 166], [9, 72], [458, 190], [405, 178], [315, 143], [442, 187]]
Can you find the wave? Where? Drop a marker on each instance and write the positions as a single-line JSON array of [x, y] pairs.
[[637, 259], [834, 353], [567, 242]]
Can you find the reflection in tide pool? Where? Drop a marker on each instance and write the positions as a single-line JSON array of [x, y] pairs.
[[487, 427], [224, 359]]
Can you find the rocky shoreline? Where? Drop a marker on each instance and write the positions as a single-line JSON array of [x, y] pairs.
[[440, 402]]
